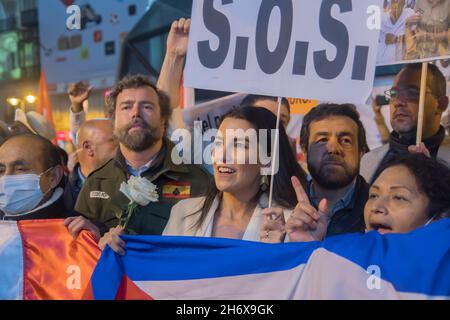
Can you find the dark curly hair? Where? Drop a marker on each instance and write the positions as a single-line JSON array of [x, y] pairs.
[[432, 178], [135, 82]]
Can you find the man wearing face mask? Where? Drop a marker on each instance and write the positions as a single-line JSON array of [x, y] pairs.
[[30, 180]]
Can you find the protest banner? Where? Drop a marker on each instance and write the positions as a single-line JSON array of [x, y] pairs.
[[209, 113], [300, 49]]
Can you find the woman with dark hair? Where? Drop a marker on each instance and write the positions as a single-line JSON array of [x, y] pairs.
[[236, 203], [408, 193]]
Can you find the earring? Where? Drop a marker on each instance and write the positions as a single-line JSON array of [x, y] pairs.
[[264, 183]]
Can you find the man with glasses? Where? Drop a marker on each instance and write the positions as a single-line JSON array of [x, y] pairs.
[[404, 110]]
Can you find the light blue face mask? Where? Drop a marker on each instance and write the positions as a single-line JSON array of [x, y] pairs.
[[20, 193]]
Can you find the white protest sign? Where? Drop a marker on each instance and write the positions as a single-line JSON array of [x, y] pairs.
[[209, 113], [303, 49]]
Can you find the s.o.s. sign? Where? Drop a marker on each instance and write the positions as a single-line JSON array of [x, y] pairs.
[[312, 49]]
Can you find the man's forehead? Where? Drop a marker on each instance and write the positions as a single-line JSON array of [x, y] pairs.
[[137, 93], [412, 78], [26, 150], [334, 124]]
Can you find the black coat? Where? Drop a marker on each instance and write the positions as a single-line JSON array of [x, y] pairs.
[[72, 188], [351, 218]]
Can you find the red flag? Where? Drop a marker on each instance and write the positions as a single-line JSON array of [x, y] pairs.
[[43, 105]]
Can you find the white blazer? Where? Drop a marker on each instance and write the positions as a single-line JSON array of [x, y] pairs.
[[182, 219]]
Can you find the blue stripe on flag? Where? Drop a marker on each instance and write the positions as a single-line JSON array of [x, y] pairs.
[[418, 262]]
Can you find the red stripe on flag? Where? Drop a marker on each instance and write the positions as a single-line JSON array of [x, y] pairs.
[[128, 290]]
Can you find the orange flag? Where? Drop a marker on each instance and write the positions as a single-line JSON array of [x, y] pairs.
[[40, 260], [43, 105]]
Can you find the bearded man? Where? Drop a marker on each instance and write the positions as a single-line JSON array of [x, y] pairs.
[[141, 114], [334, 140]]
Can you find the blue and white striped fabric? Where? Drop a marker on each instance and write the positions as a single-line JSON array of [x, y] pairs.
[[355, 266]]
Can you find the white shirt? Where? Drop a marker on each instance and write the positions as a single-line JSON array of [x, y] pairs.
[[182, 219], [392, 52]]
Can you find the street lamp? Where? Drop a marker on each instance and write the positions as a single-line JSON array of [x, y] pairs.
[[14, 101], [30, 99], [17, 102]]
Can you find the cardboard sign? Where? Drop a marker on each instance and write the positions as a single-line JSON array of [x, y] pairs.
[[301, 106], [323, 50]]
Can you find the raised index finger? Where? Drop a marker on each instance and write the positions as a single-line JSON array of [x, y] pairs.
[[299, 191]]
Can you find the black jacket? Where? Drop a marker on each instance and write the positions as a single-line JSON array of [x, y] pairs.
[[72, 188], [351, 218]]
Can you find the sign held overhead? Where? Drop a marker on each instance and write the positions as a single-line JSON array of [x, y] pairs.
[[310, 49]]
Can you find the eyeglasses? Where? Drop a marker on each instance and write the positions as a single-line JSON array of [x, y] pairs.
[[408, 94]]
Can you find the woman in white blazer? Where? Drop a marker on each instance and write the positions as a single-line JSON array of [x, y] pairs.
[[236, 205]]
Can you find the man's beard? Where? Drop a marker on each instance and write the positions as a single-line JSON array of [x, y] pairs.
[[141, 140], [327, 177]]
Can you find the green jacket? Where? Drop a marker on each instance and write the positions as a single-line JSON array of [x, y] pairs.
[[101, 201]]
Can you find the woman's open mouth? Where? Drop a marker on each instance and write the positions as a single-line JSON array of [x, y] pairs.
[[225, 170], [381, 228]]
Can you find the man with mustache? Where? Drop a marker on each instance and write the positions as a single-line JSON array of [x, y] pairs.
[[141, 114], [404, 110], [333, 139]]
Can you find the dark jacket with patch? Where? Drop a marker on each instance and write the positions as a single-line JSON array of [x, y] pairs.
[[101, 201]]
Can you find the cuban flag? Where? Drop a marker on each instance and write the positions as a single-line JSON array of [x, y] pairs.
[[354, 266], [40, 260]]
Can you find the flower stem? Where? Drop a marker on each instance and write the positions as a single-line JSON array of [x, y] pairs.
[[130, 210]]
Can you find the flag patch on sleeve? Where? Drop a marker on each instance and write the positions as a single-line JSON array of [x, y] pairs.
[[177, 190]]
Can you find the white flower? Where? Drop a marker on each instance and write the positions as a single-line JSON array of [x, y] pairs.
[[139, 190]]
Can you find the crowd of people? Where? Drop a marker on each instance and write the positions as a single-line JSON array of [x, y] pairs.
[[346, 188]]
